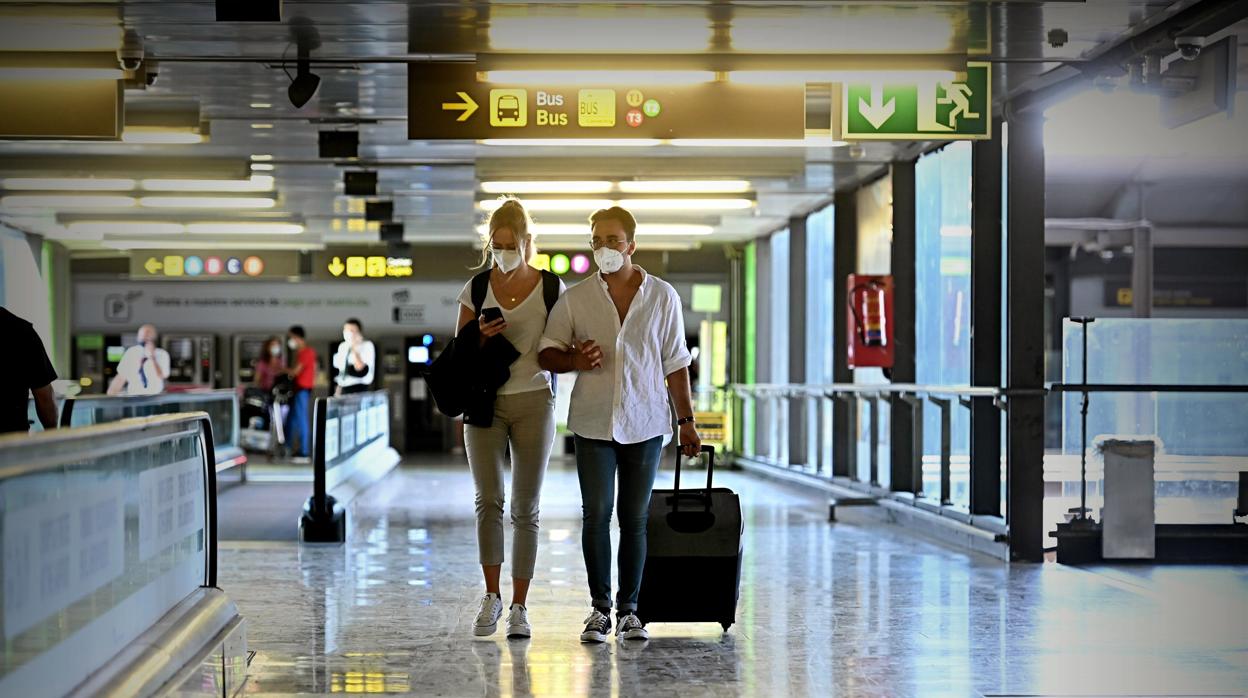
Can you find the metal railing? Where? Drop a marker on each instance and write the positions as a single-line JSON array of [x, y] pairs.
[[221, 406], [351, 434], [110, 527], [776, 400]]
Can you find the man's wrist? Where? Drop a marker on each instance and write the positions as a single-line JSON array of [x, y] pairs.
[[685, 420]]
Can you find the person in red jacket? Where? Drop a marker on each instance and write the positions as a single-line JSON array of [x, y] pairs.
[[303, 370]]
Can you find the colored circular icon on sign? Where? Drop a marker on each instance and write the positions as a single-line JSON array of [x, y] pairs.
[[233, 265], [652, 108], [580, 264], [634, 98], [634, 118], [560, 264], [194, 266], [213, 266], [253, 266]]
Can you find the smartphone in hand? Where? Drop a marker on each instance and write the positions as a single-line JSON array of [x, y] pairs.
[[491, 314]]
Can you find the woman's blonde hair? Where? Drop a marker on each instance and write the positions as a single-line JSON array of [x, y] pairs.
[[509, 214]]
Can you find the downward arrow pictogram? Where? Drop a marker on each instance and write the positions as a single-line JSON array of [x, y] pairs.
[[875, 112]]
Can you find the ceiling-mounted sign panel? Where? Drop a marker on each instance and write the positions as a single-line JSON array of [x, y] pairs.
[[920, 110], [446, 101], [214, 265], [43, 108]]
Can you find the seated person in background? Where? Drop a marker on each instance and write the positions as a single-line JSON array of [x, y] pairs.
[[143, 368]]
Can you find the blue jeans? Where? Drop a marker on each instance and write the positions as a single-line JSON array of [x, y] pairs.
[[297, 422], [596, 465]]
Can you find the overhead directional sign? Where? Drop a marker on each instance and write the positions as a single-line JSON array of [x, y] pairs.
[[447, 101], [212, 266], [360, 264], [920, 110]]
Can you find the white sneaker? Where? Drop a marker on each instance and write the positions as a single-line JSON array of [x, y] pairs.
[[630, 628], [518, 622], [487, 617], [597, 626]]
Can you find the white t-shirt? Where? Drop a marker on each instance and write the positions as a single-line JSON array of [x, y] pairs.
[[140, 374], [525, 325], [368, 353]]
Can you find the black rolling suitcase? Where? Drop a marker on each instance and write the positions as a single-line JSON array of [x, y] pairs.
[[693, 554]]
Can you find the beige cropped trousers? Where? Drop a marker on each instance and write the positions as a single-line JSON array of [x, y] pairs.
[[524, 423]]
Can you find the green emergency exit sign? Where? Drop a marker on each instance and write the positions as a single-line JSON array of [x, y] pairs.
[[921, 110]]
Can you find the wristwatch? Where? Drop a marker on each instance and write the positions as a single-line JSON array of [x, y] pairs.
[[683, 421]]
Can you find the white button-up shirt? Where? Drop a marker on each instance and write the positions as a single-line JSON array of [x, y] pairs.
[[625, 399]]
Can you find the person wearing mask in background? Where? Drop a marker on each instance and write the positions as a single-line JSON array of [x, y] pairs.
[[302, 370], [623, 330], [355, 360], [143, 368], [500, 349], [30, 373], [269, 364]]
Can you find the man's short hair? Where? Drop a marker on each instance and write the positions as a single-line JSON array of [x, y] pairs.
[[297, 330], [615, 213], [355, 321]]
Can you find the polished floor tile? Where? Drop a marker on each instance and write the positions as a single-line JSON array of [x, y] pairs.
[[856, 608]]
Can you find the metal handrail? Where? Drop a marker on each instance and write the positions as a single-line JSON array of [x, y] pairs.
[[830, 389]]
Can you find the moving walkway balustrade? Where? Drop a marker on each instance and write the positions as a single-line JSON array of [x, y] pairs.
[[110, 562]]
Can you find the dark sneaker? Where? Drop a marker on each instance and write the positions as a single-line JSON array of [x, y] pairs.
[[630, 628], [597, 627]]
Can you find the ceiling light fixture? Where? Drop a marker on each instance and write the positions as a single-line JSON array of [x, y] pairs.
[[224, 202], [159, 137], [265, 157], [175, 228], [305, 83], [685, 204], [66, 184], [261, 167], [244, 228], [125, 228], [685, 186], [257, 183], [62, 201], [553, 187]]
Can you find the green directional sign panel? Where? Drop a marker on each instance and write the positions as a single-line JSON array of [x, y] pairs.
[[922, 110]]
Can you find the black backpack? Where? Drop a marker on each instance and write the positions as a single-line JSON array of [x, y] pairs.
[[444, 379]]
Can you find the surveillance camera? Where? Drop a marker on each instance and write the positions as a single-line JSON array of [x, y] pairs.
[[131, 54], [1189, 46]]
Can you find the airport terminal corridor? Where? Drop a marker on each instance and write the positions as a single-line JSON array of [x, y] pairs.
[[857, 607]]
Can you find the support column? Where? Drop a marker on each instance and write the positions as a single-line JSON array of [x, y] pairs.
[[763, 414], [901, 431], [1025, 357], [844, 263], [986, 322], [1142, 271], [799, 451]]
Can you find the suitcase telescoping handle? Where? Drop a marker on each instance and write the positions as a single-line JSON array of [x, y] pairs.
[[710, 474]]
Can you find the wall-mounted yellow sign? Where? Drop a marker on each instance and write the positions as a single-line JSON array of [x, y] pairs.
[[361, 266]]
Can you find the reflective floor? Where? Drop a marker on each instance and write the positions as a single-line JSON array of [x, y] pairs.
[[856, 608]]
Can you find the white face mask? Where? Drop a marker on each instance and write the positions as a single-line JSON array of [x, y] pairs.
[[608, 260], [347, 336], [507, 260], [275, 351], [292, 344]]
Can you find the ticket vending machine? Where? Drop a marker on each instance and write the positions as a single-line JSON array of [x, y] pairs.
[[246, 349], [425, 428], [95, 358], [192, 360]]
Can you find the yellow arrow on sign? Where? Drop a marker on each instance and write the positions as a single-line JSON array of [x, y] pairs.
[[336, 267], [468, 106], [152, 265]]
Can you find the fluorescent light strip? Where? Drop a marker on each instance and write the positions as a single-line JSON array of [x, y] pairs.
[[810, 142], [261, 167], [226, 202], [172, 228], [490, 205], [685, 204], [64, 201], [162, 137], [780, 77], [646, 229], [66, 184], [599, 77], [256, 183], [554, 187], [210, 244], [264, 157], [687, 186]]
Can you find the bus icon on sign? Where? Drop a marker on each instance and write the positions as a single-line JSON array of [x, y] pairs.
[[508, 108]]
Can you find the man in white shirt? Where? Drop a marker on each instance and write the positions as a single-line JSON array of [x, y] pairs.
[[623, 330], [143, 368], [355, 360]]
